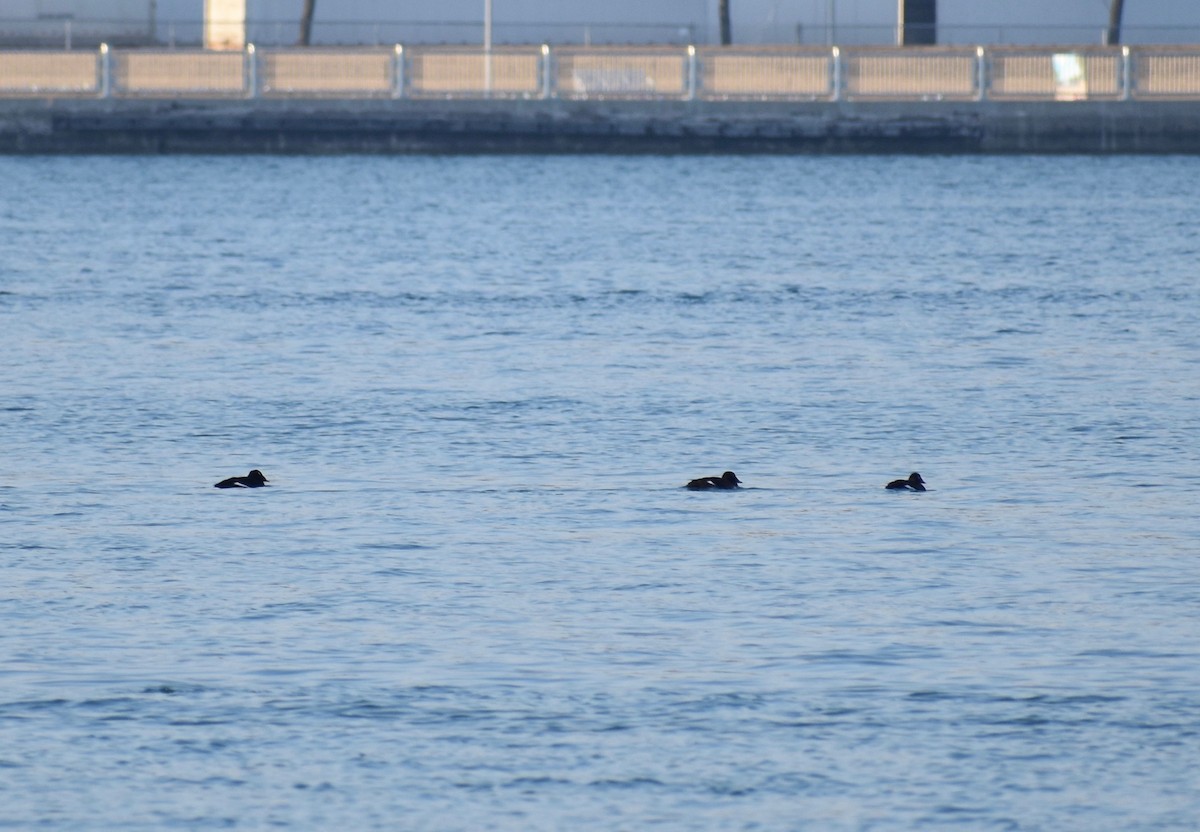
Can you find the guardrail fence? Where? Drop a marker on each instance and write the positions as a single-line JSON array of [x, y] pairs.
[[333, 72], [706, 73], [156, 74], [472, 73]]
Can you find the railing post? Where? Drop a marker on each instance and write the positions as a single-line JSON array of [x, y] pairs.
[[105, 71], [691, 65], [837, 74], [251, 72], [981, 73], [487, 47], [547, 73], [1126, 78], [398, 72]]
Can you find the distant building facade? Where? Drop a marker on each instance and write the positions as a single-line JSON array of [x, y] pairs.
[[83, 23], [74, 23]]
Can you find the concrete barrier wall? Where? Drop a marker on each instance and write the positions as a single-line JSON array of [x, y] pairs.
[[281, 125]]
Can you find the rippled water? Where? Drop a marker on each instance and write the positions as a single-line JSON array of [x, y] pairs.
[[475, 595]]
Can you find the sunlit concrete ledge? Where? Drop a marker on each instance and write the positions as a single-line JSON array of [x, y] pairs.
[[594, 126]]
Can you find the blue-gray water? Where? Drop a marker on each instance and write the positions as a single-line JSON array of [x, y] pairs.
[[475, 595]]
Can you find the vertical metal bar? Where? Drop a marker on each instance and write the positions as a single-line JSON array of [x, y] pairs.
[[547, 72], [981, 73], [398, 72], [105, 71], [487, 47], [251, 72], [1126, 78], [691, 65], [837, 74], [487, 26]]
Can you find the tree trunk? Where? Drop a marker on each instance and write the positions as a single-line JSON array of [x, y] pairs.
[[1113, 36], [723, 13], [306, 17]]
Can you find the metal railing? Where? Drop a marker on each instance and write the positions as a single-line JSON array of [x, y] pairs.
[[1166, 74], [574, 72], [933, 73], [788, 74], [155, 74], [335, 73], [471, 73], [579, 72], [819, 26]]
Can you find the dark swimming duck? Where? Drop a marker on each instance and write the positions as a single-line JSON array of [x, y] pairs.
[[254, 479], [726, 481], [913, 483]]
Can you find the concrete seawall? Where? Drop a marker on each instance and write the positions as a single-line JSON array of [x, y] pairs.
[[41, 126]]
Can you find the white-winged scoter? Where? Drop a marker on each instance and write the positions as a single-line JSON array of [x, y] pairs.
[[913, 483], [725, 481], [254, 479]]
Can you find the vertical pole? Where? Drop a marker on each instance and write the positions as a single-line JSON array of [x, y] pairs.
[[547, 73], [1112, 35], [917, 23], [306, 20], [398, 72], [691, 64], [1126, 78], [981, 73], [487, 47], [251, 72], [105, 71], [837, 74], [487, 25]]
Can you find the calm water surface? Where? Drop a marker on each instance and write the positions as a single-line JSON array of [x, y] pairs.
[[475, 595]]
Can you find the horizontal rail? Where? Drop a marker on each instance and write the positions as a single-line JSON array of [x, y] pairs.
[[1055, 73], [51, 30]]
